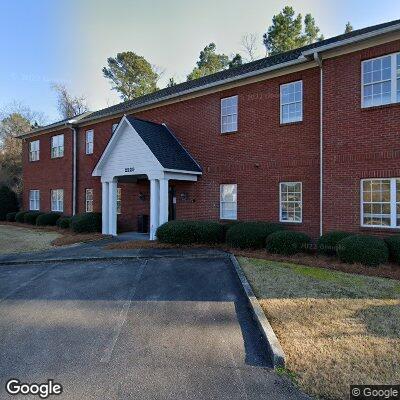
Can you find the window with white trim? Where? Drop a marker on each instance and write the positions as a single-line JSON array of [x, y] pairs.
[[34, 200], [57, 146], [291, 202], [380, 202], [119, 202], [291, 102], [228, 201], [34, 150], [57, 200], [89, 200], [89, 142], [114, 127], [380, 80], [229, 114]]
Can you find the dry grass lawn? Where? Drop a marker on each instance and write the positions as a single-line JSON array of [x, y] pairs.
[[336, 328]]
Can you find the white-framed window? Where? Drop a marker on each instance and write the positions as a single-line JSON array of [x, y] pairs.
[[89, 200], [114, 127], [89, 142], [57, 146], [380, 79], [228, 201], [291, 102], [57, 200], [380, 202], [229, 114], [290, 202], [34, 200], [34, 150], [119, 203]]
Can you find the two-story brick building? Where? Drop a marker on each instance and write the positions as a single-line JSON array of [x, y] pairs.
[[309, 138]]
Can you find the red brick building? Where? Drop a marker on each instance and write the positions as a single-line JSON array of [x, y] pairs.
[[309, 138]]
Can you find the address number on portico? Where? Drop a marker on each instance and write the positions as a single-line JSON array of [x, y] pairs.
[[129, 169]]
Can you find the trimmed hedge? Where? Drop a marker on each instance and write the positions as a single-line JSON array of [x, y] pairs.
[[368, 250], [86, 222], [30, 217], [189, 232], [327, 243], [50, 218], [19, 216], [8, 202], [393, 244], [250, 235], [64, 222], [10, 217], [288, 242]]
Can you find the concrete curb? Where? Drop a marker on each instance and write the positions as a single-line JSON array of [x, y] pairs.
[[274, 347]]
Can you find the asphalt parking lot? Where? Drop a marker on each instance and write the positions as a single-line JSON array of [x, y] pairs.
[[134, 329]]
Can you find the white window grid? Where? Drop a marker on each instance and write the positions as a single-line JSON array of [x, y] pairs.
[[34, 200], [119, 201], [291, 202], [57, 200], [89, 141], [34, 150], [89, 200], [291, 95], [380, 203], [229, 114], [57, 146], [380, 79], [228, 201]]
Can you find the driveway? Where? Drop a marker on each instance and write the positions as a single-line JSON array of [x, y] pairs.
[[167, 328]]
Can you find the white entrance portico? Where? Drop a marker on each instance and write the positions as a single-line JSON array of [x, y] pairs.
[[142, 149]]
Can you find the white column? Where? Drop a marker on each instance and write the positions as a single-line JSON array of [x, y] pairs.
[[154, 207], [163, 201], [112, 208], [104, 208]]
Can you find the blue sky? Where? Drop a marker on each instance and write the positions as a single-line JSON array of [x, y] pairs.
[[45, 41]]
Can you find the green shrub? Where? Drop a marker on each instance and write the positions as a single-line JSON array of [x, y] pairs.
[[64, 222], [50, 218], [189, 232], [10, 217], [19, 216], [327, 243], [368, 250], [288, 242], [86, 222], [393, 244], [30, 217], [250, 235], [8, 202]]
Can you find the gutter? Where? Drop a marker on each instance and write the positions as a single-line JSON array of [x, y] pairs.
[[70, 125]]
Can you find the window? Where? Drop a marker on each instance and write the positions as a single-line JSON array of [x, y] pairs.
[[34, 150], [290, 207], [292, 102], [119, 200], [89, 142], [57, 146], [34, 200], [381, 80], [57, 200], [229, 111], [89, 200], [380, 202], [114, 127], [228, 201]]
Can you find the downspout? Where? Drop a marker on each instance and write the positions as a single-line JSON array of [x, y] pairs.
[[318, 60], [74, 162]]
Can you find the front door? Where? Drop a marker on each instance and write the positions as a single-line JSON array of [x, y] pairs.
[[171, 204]]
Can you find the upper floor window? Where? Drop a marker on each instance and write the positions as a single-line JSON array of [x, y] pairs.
[[292, 102], [114, 127], [57, 146], [89, 200], [381, 80], [34, 150], [119, 202], [89, 142], [34, 200], [228, 202], [291, 202], [57, 200], [229, 114]]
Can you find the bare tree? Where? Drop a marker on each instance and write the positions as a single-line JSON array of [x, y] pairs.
[[68, 105], [249, 46]]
